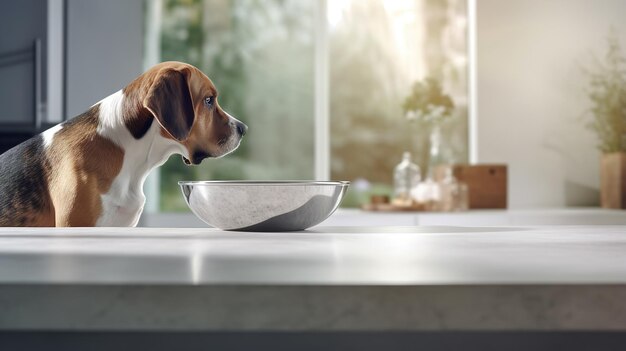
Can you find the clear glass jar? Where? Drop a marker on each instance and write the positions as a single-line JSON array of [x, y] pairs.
[[428, 194], [454, 194], [406, 177], [435, 152]]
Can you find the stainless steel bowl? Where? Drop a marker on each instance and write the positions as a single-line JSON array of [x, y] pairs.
[[263, 205]]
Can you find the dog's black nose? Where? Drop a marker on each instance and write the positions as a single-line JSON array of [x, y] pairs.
[[241, 128]]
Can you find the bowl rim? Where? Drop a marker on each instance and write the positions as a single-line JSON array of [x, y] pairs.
[[265, 182]]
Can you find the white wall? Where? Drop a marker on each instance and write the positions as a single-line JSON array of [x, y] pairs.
[[531, 101]]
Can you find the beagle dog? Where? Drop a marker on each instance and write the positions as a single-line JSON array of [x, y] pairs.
[[90, 170]]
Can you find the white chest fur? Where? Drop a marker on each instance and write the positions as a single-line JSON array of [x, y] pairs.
[[123, 204], [124, 213]]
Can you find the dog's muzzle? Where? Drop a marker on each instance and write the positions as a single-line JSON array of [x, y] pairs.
[[239, 129]]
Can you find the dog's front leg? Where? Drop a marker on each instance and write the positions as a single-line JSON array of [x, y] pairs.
[[76, 204]]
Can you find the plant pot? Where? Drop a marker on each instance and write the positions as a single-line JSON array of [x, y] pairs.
[[613, 180]]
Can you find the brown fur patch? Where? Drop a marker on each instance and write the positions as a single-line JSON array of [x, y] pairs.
[[209, 125], [170, 102], [136, 117], [85, 165]]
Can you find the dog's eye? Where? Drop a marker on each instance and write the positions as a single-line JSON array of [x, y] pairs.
[[209, 100]]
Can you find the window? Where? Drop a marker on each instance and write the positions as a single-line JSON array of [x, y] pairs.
[[260, 55], [378, 49]]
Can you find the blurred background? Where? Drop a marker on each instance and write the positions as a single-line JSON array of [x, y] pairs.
[[323, 85]]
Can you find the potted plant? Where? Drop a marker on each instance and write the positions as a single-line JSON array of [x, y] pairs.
[[428, 106], [607, 94]]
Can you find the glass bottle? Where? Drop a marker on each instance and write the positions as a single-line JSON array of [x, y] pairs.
[[406, 177], [454, 194], [435, 155], [428, 194]]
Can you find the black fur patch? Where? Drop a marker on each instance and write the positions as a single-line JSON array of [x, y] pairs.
[[23, 185], [140, 125]]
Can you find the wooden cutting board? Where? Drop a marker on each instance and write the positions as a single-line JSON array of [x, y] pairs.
[[487, 183]]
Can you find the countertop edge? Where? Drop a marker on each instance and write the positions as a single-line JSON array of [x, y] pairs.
[[313, 308]]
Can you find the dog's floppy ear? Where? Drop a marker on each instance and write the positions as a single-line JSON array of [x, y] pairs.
[[169, 100]]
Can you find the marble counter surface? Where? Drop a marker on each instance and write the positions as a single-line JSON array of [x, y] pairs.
[[327, 278]]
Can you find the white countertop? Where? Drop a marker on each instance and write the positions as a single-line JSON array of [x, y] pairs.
[[327, 278], [321, 256]]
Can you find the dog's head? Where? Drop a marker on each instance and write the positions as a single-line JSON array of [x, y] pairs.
[[184, 102]]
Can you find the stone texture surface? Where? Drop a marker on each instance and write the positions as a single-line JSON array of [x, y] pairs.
[[312, 308], [349, 278]]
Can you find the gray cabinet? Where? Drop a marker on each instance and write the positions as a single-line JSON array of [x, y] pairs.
[[88, 49], [23, 39]]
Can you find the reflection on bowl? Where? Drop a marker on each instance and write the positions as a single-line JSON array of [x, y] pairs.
[[263, 205]]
